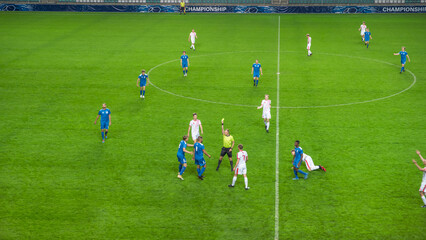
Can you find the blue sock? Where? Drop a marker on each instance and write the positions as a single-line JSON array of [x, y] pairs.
[[201, 171], [186, 71], [302, 172], [183, 71], [182, 170], [403, 68], [257, 82], [140, 92], [180, 167], [295, 173], [143, 92], [254, 82], [103, 135], [198, 171], [368, 45]]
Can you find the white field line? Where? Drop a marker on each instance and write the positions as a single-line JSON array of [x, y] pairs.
[[293, 107], [277, 144]]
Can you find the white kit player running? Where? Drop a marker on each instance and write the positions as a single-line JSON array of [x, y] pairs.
[[309, 162], [422, 189], [266, 105], [195, 126], [362, 29], [240, 167], [192, 36], [309, 44]]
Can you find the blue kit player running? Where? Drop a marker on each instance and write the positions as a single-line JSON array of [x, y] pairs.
[[367, 37], [105, 115], [184, 62], [143, 81], [256, 70], [297, 160], [181, 156], [404, 57], [199, 157]]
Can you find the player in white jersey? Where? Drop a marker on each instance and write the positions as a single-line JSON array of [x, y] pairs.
[[309, 44], [192, 36], [195, 126], [362, 29], [240, 167], [309, 162], [266, 105], [422, 189]]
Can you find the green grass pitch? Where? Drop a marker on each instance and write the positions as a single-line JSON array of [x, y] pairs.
[[58, 181]]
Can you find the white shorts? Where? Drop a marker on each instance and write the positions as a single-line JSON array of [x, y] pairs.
[[308, 47], [266, 115], [195, 136], [362, 33], [193, 41], [241, 170], [423, 187]]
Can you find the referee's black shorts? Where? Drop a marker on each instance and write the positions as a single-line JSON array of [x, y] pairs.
[[226, 151], [182, 9]]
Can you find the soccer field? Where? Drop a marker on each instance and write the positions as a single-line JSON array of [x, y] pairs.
[[349, 106]]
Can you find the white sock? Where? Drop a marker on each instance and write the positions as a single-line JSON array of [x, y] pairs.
[[264, 122], [234, 180], [309, 52], [314, 168], [193, 47], [424, 199], [246, 182], [267, 125]]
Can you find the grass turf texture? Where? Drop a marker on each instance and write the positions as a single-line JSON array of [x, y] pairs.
[[58, 180]]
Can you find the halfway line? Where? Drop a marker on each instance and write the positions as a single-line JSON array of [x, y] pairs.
[[277, 143]]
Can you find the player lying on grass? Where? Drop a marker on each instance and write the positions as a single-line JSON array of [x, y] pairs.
[[266, 105], [309, 162], [309, 44], [367, 37], [184, 62], [194, 126], [240, 167], [362, 29], [199, 157], [181, 155], [422, 189], [142, 82], [228, 145], [256, 70], [105, 115], [404, 57], [192, 36], [297, 160]]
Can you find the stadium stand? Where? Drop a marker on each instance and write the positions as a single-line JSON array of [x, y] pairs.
[[230, 2]]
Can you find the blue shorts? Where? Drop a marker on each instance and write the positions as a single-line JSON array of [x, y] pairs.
[[181, 159], [184, 65], [256, 75], [403, 62], [296, 163], [200, 162], [104, 125], [142, 84], [367, 40]]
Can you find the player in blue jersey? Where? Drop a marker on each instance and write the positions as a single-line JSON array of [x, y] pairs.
[[181, 155], [256, 70], [199, 157], [105, 115], [184, 62], [143, 81], [367, 37], [404, 57], [297, 160]]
